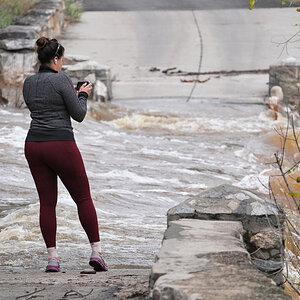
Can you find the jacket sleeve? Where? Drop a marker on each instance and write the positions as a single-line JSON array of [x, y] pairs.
[[26, 90], [76, 104]]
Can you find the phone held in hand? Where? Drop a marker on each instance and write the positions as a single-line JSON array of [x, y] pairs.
[[80, 83]]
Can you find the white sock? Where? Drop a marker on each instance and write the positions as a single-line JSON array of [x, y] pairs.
[[96, 246], [52, 252]]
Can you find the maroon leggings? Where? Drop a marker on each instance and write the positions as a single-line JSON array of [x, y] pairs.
[[47, 160]]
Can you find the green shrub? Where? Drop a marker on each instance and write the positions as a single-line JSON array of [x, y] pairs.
[[73, 10], [11, 9]]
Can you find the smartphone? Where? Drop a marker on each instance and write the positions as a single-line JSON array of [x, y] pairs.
[[80, 83]]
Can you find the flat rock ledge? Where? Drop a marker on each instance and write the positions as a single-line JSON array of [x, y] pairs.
[[206, 250]]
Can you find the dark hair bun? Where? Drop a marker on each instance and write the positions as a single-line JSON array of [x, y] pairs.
[[47, 49], [41, 43]]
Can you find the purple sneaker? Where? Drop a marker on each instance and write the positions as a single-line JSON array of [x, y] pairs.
[[97, 262], [53, 265]]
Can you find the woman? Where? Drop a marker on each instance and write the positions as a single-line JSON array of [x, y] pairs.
[[51, 150]]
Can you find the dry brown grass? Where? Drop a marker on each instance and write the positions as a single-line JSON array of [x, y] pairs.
[[283, 197]]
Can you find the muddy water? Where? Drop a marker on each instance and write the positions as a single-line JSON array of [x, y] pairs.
[[149, 156]]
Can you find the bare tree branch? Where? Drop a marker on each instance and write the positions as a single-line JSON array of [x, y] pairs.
[[294, 133], [30, 294], [286, 183]]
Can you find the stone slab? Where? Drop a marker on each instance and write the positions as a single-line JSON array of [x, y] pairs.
[[85, 66], [37, 16], [19, 32], [227, 202], [17, 44], [49, 4], [207, 260]]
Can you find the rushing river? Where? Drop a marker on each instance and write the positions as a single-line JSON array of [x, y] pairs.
[[149, 157]]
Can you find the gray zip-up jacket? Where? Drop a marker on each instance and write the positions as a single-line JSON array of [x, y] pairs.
[[52, 100]]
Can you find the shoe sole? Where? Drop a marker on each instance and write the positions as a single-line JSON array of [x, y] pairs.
[[52, 269], [98, 265]]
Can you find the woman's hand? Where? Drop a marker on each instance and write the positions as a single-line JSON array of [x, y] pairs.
[[86, 88]]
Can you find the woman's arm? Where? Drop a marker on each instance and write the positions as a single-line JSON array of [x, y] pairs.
[[76, 104]]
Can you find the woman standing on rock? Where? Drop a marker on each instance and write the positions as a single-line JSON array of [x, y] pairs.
[[51, 150]]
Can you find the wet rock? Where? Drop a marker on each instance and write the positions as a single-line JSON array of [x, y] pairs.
[[202, 259]]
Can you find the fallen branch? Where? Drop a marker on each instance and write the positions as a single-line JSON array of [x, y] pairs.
[[166, 71], [154, 69], [222, 72], [172, 72], [30, 294], [231, 72], [285, 181], [194, 80], [72, 293]]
